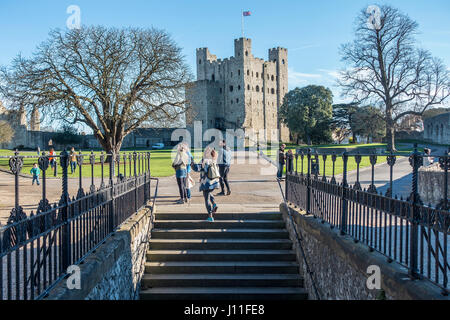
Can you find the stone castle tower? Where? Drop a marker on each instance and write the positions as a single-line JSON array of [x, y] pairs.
[[35, 121], [240, 92]]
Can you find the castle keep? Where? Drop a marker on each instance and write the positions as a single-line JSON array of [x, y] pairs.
[[240, 92]]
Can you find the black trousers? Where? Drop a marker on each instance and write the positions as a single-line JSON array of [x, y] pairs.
[[182, 187], [224, 171]]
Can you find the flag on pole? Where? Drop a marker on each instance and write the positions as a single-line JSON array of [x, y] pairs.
[[247, 13]]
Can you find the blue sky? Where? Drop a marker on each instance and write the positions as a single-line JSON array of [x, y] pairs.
[[311, 30]]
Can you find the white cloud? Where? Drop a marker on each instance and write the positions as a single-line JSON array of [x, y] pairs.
[[332, 73], [298, 78]]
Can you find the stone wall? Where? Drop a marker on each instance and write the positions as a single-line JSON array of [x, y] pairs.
[[115, 269], [339, 265], [437, 129], [431, 184]]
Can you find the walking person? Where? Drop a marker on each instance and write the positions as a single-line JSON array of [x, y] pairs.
[[427, 160], [35, 172], [224, 168], [209, 181], [289, 161], [180, 166], [281, 161], [190, 183], [52, 160], [73, 160]]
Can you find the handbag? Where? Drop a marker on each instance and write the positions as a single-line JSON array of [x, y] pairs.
[[190, 182], [213, 171]]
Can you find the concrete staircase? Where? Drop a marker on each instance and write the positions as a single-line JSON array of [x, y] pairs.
[[241, 256]]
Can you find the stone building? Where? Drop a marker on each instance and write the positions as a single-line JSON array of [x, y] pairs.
[[240, 92], [28, 134], [437, 129], [17, 119]]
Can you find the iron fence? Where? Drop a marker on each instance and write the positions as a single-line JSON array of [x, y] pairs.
[[404, 230], [37, 248]]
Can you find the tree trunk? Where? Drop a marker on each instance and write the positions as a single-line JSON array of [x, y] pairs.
[[308, 140], [390, 130]]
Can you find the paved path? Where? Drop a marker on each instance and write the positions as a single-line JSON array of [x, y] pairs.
[[253, 184]]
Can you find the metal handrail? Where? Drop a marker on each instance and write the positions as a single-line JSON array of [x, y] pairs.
[[300, 239]]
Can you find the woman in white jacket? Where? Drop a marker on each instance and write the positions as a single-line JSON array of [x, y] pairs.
[[209, 181]]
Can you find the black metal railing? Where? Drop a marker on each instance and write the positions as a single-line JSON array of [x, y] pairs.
[[37, 248], [404, 230]]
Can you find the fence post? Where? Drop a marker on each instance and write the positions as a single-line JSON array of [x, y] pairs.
[[344, 195], [64, 210], [416, 161], [308, 184], [135, 182], [112, 215]]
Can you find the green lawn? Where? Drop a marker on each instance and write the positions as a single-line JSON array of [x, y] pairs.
[[160, 163], [339, 168]]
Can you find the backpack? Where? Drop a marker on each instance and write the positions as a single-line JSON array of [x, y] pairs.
[[213, 171]]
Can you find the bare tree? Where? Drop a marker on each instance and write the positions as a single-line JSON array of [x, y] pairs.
[[112, 80], [389, 70]]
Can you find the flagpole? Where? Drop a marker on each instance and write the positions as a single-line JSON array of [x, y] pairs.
[[242, 18]]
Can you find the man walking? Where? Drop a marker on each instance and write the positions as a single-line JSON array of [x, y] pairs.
[[281, 161], [224, 167]]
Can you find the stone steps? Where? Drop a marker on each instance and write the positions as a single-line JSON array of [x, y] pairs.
[[220, 293], [178, 267], [219, 224], [222, 280], [220, 244], [241, 256], [220, 255], [220, 216], [220, 234]]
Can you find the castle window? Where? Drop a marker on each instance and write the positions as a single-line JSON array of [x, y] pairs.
[[239, 87], [231, 88], [248, 72], [220, 90], [284, 61], [237, 100], [232, 74], [213, 77], [248, 87], [231, 101], [273, 78], [273, 91], [257, 88], [239, 72], [257, 74], [246, 53], [200, 61]]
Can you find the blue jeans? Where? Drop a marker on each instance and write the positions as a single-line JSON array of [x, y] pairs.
[[73, 166], [188, 192], [280, 170], [209, 200], [35, 178]]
